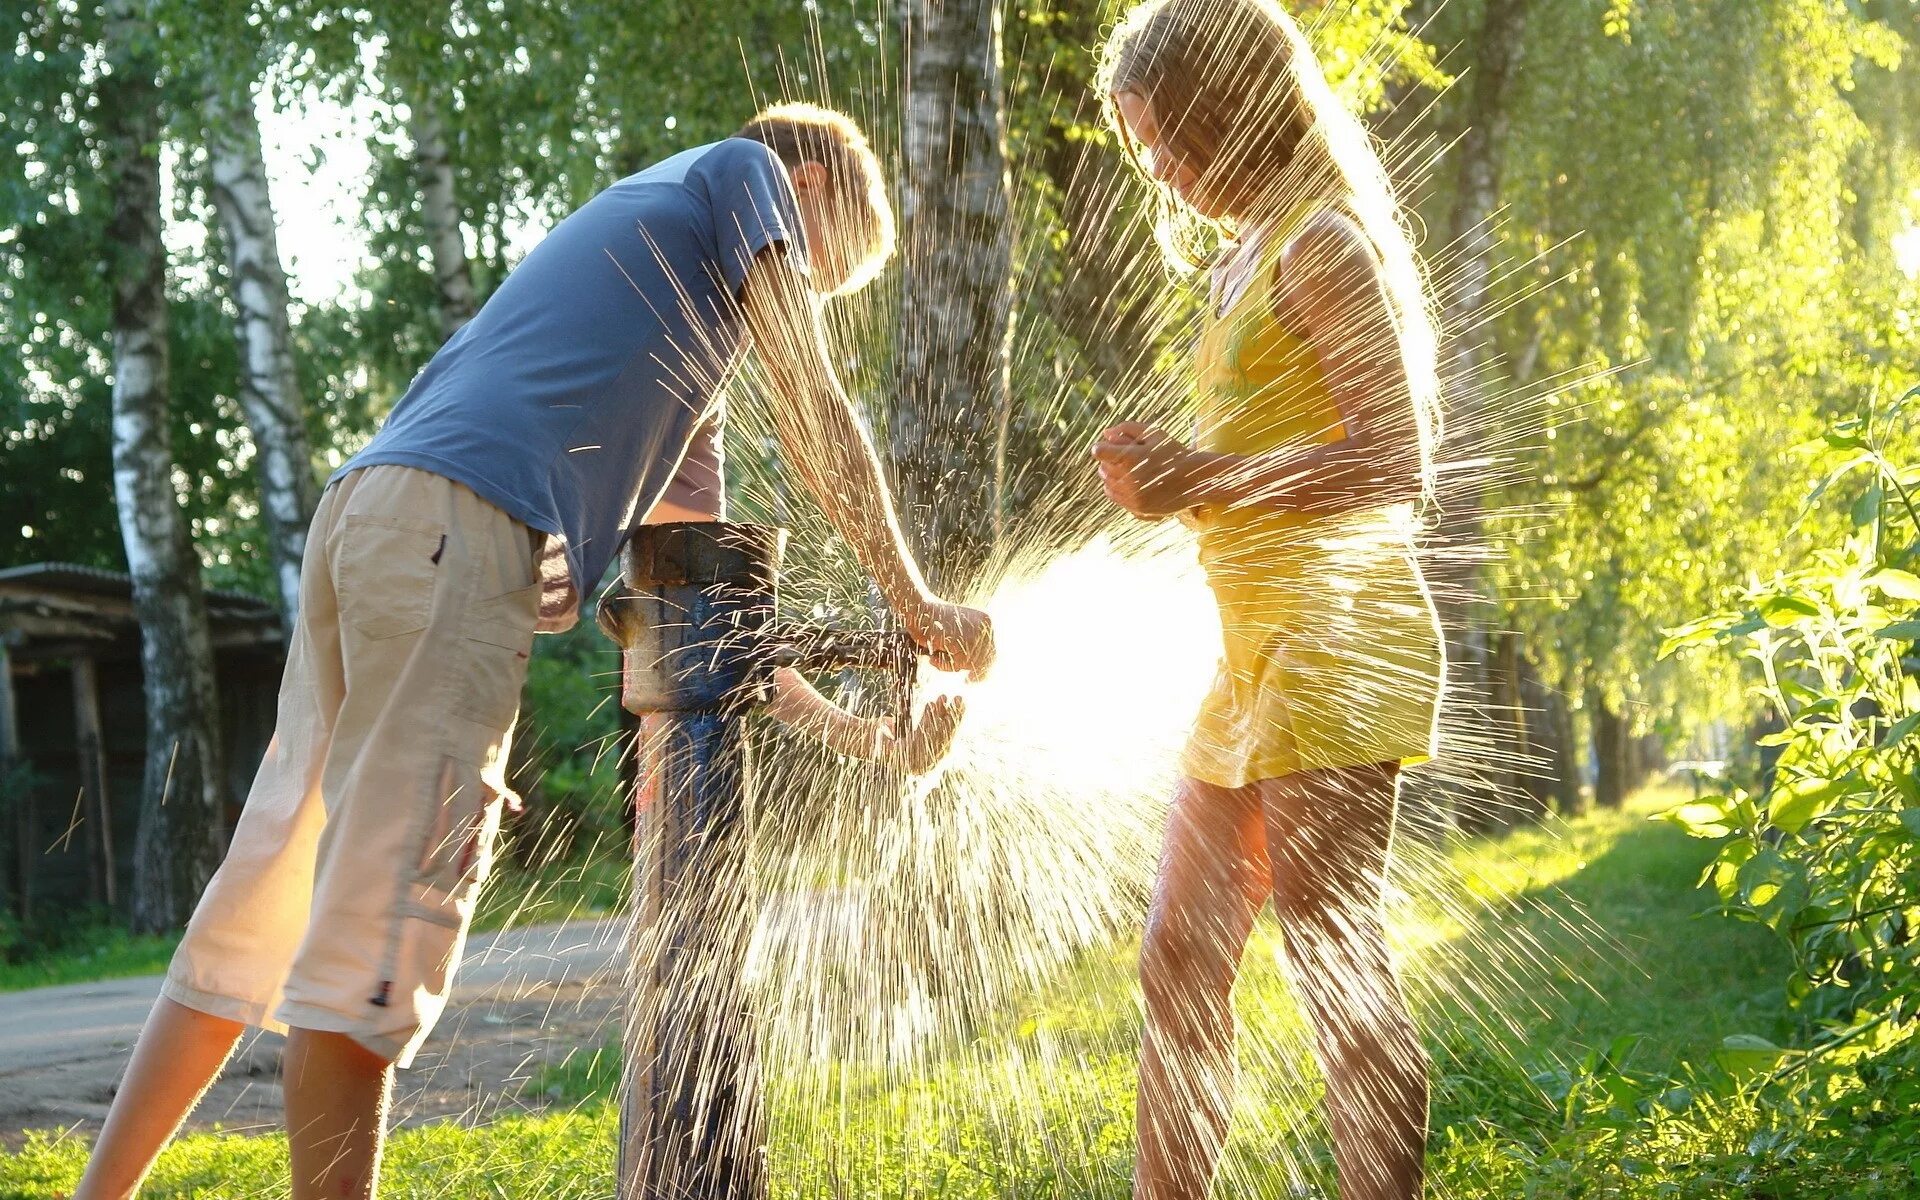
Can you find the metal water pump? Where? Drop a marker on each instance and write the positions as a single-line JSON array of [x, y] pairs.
[[696, 622]]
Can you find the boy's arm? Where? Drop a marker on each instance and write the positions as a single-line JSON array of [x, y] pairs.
[[798, 705], [829, 451]]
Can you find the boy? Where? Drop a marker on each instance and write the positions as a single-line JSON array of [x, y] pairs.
[[497, 493]]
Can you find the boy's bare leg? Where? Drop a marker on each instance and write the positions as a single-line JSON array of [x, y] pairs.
[[336, 1092], [179, 1053]]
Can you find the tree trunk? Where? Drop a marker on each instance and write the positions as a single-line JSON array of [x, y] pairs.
[[1503, 741], [89, 745], [956, 318], [269, 388], [1480, 153], [1519, 688], [15, 797], [178, 843], [1646, 755], [1610, 749], [1462, 590], [1552, 720], [440, 212]]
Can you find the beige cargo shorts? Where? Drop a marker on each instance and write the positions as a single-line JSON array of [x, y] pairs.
[[344, 899]]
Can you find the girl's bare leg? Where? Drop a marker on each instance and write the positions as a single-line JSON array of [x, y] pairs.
[[336, 1092], [177, 1057], [1213, 878], [1328, 836]]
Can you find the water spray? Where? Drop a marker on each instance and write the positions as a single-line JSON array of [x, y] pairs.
[[700, 639]]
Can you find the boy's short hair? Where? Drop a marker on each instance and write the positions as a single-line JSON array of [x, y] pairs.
[[800, 133]]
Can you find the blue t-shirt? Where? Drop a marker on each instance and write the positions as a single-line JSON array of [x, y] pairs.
[[571, 397]]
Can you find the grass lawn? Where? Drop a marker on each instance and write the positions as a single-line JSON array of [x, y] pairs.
[[1567, 1064], [97, 952]]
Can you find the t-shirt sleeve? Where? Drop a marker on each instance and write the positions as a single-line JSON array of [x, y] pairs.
[[700, 483], [753, 208]]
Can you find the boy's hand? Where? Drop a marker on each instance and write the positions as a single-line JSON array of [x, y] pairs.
[[955, 637], [559, 610], [930, 738], [1147, 471]]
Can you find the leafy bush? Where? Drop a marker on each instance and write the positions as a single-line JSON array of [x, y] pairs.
[[1827, 854], [566, 757]]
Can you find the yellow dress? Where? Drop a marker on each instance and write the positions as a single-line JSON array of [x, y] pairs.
[[1333, 655]]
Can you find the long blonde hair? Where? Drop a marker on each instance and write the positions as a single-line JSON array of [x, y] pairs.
[[1235, 85]]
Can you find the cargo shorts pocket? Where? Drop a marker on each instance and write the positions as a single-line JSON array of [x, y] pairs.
[[386, 572], [454, 857], [456, 853], [496, 645]]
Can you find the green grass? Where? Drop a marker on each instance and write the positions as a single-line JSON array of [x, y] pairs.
[[1566, 1066], [513, 1157], [1665, 970], [93, 952], [551, 892]]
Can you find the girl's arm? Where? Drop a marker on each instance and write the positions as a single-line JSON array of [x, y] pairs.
[[1338, 307]]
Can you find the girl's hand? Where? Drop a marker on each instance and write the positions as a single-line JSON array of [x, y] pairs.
[[1147, 471], [928, 741]]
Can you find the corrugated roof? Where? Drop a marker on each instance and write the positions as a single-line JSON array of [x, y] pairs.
[[96, 581]]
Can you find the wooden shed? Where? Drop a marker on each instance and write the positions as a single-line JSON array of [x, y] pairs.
[[73, 725]]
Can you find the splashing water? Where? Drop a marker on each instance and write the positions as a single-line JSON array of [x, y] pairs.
[[1034, 839], [942, 968], [1104, 656]]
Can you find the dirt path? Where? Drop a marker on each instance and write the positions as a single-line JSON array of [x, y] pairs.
[[526, 999]]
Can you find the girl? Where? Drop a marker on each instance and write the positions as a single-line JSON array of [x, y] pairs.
[[1316, 411]]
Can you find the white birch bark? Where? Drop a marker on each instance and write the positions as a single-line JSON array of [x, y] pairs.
[[956, 316], [178, 842], [440, 211], [269, 387]]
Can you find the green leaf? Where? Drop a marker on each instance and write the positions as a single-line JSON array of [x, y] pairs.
[[1800, 802], [1900, 630], [1745, 1055], [1701, 819], [1866, 509], [1794, 690], [1780, 611], [1901, 585], [1763, 877], [1827, 706], [1799, 987], [1902, 729], [1910, 817], [1694, 633]]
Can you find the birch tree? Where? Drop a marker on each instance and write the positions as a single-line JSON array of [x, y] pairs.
[[956, 283], [178, 843], [269, 386], [1483, 675], [440, 211]]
